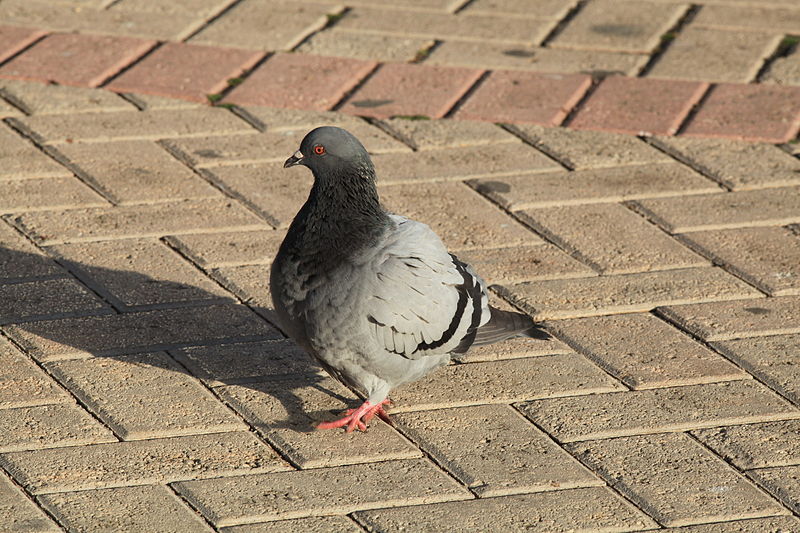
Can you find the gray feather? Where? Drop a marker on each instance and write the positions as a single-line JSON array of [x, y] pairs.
[[375, 298]]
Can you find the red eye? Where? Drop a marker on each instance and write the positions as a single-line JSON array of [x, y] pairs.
[[319, 149]]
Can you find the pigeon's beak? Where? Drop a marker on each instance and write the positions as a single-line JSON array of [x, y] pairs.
[[296, 159]]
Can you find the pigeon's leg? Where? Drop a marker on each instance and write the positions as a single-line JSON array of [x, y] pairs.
[[359, 418], [378, 410]]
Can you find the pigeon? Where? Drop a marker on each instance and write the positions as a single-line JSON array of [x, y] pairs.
[[374, 297]]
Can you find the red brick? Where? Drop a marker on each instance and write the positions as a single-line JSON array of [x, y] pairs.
[[301, 81], [187, 71], [769, 113], [508, 96], [636, 105], [75, 59], [403, 89], [13, 39]]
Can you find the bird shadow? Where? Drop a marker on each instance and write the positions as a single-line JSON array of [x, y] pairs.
[[54, 309]]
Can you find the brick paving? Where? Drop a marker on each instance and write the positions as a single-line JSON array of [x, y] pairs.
[[626, 172]]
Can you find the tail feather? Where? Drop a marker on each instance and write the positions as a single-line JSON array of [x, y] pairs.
[[506, 324]]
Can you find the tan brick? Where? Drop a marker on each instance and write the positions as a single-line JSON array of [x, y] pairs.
[[519, 347], [286, 410], [191, 216], [768, 258], [774, 360], [317, 524], [22, 383], [146, 508], [273, 119], [595, 186], [625, 293], [505, 381], [460, 216], [141, 462], [767, 207], [755, 445], [676, 480], [207, 8], [139, 332], [524, 263], [250, 283], [738, 165], [145, 396], [776, 524], [336, 490], [783, 70], [644, 352], [21, 159], [544, 9], [43, 99], [602, 416], [751, 17], [132, 172], [585, 149], [47, 193], [274, 26], [587, 509], [494, 451], [444, 133], [150, 102], [727, 56], [269, 147], [21, 260], [267, 188], [132, 125], [20, 513], [783, 482], [611, 239], [491, 55], [730, 320], [138, 272], [74, 17], [7, 110], [418, 5], [243, 363], [622, 27], [50, 426], [55, 298], [461, 163], [462, 27], [210, 250], [364, 46]]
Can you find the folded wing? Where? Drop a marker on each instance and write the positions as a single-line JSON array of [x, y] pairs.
[[423, 300]]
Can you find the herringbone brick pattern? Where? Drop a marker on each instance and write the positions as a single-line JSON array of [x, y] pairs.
[[145, 386], [715, 68]]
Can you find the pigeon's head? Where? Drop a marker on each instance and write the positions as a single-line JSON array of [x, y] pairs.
[[329, 149]]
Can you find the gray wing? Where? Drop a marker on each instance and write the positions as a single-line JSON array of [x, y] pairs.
[[423, 300]]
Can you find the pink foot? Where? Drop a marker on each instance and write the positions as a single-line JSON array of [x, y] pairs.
[[359, 418]]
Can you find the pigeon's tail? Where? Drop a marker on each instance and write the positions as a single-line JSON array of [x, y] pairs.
[[506, 324]]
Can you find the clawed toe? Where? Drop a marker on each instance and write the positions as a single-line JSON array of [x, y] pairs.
[[360, 417]]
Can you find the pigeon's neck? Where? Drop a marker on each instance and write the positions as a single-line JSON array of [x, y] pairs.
[[342, 216]]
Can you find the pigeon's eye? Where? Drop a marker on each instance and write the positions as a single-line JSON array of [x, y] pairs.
[[319, 149]]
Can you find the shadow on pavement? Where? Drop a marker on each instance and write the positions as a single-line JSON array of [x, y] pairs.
[[53, 316]]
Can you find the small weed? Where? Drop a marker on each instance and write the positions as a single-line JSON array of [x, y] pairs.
[[226, 105], [333, 18], [412, 117], [668, 37], [214, 98], [233, 82], [423, 53], [786, 45]]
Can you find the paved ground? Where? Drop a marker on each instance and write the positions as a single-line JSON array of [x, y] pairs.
[[144, 387]]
